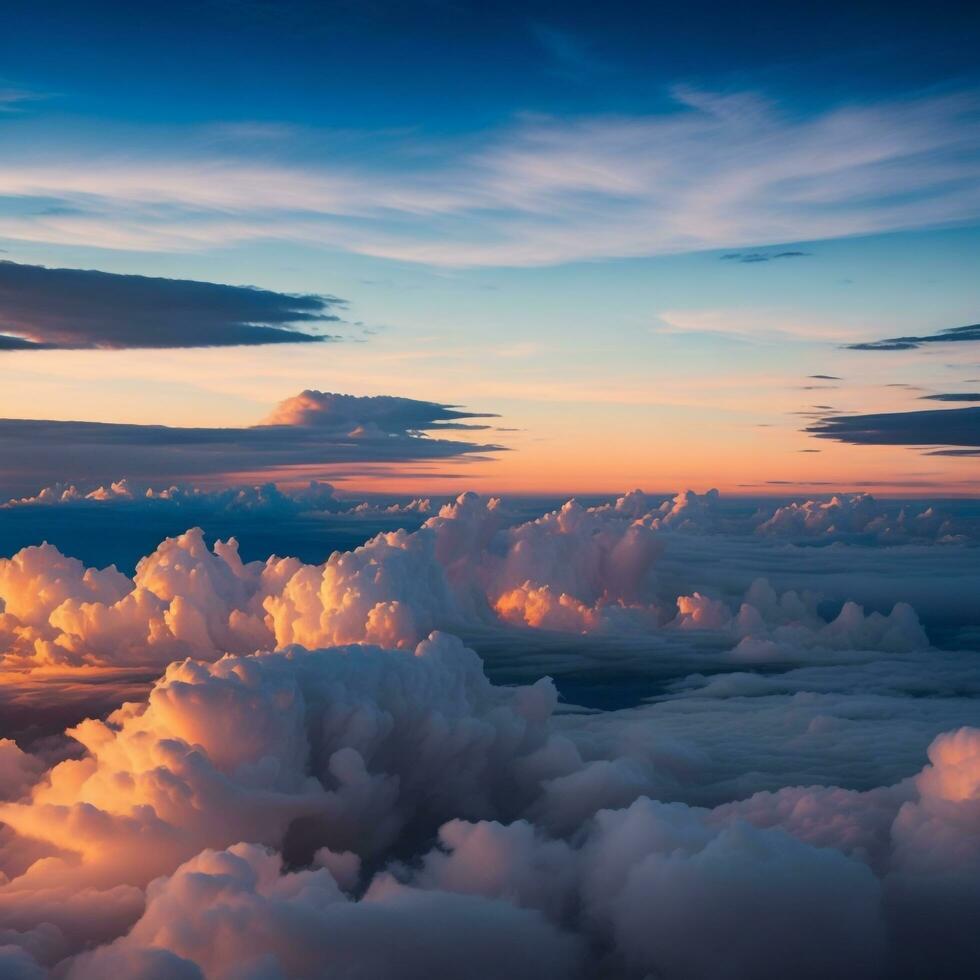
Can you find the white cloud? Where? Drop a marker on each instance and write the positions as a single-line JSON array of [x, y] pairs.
[[272, 812], [716, 172]]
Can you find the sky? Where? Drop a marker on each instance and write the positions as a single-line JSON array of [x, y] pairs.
[[489, 490], [637, 246]]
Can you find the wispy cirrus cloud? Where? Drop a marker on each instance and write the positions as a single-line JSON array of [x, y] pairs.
[[757, 325], [17, 99], [715, 172]]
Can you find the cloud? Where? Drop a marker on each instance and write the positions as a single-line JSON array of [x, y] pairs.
[[227, 914], [958, 396], [266, 499], [312, 434], [949, 427], [43, 309], [346, 761], [16, 99], [948, 336], [714, 172], [767, 325], [855, 517], [824, 377], [379, 414], [325, 789], [756, 257], [574, 570]]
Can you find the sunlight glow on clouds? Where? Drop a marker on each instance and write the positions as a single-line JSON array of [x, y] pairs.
[[309, 433], [322, 807], [299, 681]]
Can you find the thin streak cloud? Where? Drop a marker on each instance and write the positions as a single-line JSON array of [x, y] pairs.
[[951, 335], [716, 172]]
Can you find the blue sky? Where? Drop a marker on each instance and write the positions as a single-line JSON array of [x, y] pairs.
[[528, 209], [450, 67]]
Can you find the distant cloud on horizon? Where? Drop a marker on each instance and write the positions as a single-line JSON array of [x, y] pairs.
[[310, 436]]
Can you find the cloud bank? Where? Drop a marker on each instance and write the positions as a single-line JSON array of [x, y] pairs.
[[316, 784], [309, 433], [44, 309], [578, 570], [158, 852]]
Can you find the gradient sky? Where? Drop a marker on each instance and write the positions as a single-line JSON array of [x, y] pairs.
[[634, 238]]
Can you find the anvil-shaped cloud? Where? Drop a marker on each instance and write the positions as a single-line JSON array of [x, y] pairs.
[[309, 433]]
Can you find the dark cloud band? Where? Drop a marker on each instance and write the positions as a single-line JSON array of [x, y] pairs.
[[43, 308], [949, 336], [310, 435], [938, 427]]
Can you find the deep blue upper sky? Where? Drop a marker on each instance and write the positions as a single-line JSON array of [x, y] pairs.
[[448, 66]]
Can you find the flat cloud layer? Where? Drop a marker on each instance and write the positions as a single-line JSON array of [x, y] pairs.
[[938, 427], [949, 336], [43, 309], [327, 788], [310, 433]]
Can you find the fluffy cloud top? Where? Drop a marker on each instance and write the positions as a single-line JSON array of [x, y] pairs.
[[348, 759], [380, 414], [327, 789], [576, 569]]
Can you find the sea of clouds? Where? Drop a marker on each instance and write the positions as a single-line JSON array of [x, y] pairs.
[[644, 738]]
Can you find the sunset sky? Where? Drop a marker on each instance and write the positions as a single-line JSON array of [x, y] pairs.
[[489, 490], [644, 245]]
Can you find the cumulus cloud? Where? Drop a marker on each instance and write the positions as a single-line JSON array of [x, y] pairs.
[[263, 499], [43, 309], [577, 569], [854, 517], [310, 434], [830, 875], [378, 414], [326, 788], [225, 914]]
